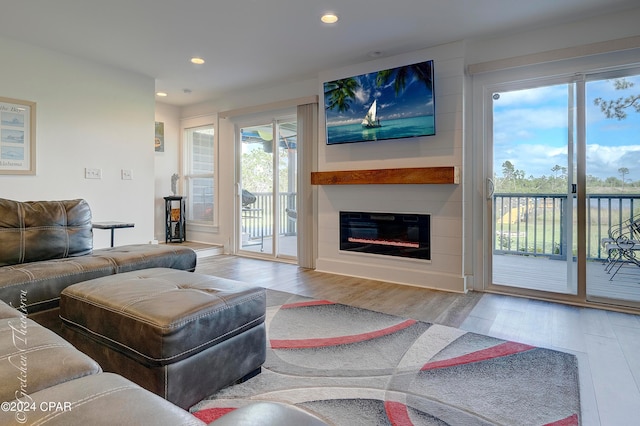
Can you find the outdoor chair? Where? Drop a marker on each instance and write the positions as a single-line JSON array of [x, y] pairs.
[[622, 246], [247, 198], [292, 214]]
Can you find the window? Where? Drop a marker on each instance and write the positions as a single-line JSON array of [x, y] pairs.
[[198, 173]]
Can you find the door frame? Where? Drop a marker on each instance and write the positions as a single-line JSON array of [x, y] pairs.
[[274, 118]]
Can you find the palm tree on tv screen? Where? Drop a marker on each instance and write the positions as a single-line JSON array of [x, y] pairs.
[[341, 93], [401, 75]]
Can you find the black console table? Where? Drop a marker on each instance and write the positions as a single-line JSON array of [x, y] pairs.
[[175, 212], [112, 226]]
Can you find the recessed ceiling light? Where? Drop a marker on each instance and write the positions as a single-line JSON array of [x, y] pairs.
[[329, 18], [197, 61], [161, 94]]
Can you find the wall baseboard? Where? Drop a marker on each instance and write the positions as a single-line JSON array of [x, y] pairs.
[[394, 274]]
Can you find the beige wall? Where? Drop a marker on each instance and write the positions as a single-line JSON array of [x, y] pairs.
[[88, 115], [166, 163]]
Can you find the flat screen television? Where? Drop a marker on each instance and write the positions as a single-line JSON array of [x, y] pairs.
[[388, 104]]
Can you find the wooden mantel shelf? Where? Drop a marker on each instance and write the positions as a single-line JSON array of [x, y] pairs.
[[416, 175]]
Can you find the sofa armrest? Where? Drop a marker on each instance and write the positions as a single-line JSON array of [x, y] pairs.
[[7, 311]]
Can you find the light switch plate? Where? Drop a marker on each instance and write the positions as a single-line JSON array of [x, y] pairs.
[[126, 174], [92, 173]]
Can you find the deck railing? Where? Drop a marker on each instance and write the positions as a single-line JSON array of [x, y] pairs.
[[257, 218], [536, 225], [525, 224]]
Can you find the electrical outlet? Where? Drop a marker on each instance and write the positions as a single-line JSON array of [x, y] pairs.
[[90, 173], [126, 174]]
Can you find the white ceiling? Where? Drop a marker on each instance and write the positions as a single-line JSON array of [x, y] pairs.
[[253, 44]]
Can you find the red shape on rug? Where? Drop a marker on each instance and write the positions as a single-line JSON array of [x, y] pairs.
[[572, 420], [305, 304], [210, 414], [397, 414], [341, 340], [504, 349]]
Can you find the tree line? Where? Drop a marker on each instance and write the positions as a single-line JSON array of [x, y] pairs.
[[515, 181]]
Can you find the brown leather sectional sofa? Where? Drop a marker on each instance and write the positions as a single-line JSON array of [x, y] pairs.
[[45, 380], [46, 246]]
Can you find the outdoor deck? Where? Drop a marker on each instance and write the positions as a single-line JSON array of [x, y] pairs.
[[287, 245], [540, 273]]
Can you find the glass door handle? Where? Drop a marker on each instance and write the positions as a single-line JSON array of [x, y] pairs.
[[490, 188]]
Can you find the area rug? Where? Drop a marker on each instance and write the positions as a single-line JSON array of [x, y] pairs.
[[352, 366]]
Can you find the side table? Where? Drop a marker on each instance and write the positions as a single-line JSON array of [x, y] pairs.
[[112, 226], [175, 216]]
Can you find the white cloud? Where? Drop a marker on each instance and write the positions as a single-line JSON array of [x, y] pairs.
[[604, 161], [527, 120], [362, 96]]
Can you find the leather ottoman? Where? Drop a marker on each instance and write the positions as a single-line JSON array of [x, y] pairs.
[[178, 334]]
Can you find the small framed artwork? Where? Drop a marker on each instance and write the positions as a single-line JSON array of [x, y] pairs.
[[159, 143], [17, 137]]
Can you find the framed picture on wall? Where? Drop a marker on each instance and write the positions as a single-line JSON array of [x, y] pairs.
[[159, 142], [17, 137]]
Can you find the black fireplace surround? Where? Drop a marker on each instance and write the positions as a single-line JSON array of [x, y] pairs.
[[389, 234]]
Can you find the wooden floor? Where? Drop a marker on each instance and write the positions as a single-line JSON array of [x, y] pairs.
[[607, 344], [413, 302]]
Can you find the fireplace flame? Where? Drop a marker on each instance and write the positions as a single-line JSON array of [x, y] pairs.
[[384, 242]]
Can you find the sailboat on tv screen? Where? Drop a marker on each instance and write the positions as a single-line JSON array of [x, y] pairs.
[[370, 121]]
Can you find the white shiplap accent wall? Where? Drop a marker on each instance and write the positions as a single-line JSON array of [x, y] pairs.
[[442, 202]]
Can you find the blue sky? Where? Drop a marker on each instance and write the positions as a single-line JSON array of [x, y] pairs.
[[530, 130]]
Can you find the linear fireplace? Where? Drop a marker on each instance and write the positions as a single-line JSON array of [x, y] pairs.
[[390, 234]]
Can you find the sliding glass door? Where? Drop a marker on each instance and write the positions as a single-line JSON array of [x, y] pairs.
[[267, 222], [612, 103], [533, 206], [564, 199]]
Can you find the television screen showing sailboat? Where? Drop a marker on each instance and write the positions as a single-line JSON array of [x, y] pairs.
[[388, 104]]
